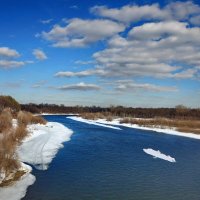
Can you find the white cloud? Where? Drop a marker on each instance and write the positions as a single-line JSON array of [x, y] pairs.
[[39, 54], [7, 64], [182, 10], [79, 33], [133, 13], [8, 52], [195, 20], [84, 73], [131, 86], [80, 86], [130, 13], [151, 49]]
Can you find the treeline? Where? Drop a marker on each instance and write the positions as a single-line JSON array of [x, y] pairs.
[[179, 111]]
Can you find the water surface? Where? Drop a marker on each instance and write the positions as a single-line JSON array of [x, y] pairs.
[[106, 164]]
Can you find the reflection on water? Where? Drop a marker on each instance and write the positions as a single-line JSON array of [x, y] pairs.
[[107, 164]]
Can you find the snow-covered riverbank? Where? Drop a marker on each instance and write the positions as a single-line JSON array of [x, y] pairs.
[[116, 123], [38, 149], [43, 143]]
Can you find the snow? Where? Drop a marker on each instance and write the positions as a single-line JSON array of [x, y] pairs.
[[18, 190], [116, 122], [158, 154], [80, 119], [38, 149], [41, 146], [74, 114]]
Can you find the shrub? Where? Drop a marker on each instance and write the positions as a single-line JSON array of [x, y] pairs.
[[5, 121], [37, 120], [24, 118], [20, 132], [9, 102]]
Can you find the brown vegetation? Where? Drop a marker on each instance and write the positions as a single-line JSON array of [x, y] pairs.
[[9, 102], [180, 125], [27, 118], [16, 177], [5, 121], [10, 138]]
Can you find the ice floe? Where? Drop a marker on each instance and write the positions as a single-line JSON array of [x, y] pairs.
[[158, 154]]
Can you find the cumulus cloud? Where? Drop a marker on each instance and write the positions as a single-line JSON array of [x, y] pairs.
[[8, 56], [130, 13], [151, 49], [132, 86], [80, 86], [8, 52], [84, 73], [39, 54], [133, 13], [7, 64], [79, 33]]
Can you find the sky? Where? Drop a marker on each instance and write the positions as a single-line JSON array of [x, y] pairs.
[[95, 52]]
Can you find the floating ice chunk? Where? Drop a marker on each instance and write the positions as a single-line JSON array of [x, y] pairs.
[[41, 146], [80, 119], [158, 154]]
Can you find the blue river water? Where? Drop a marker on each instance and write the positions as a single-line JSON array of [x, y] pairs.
[[100, 163]]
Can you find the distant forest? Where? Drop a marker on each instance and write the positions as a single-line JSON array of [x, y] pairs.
[[180, 111]]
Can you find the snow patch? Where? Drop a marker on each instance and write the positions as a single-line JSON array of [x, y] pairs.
[[18, 190], [41, 146], [80, 119], [158, 154]]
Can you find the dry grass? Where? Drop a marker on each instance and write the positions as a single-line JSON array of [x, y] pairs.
[[10, 138], [8, 161], [20, 133], [181, 125], [37, 120], [109, 118], [97, 115], [5, 121], [15, 178], [27, 118], [24, 118]]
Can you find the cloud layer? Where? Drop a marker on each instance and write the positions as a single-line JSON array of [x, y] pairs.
[[79, 32]]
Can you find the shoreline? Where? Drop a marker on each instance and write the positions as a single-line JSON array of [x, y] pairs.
[[37, 149], [169, 131]]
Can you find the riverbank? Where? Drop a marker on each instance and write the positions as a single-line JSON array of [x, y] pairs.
[[117, 122], [37, 149]]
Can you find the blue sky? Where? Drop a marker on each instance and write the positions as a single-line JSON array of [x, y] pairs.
[[131, 53]]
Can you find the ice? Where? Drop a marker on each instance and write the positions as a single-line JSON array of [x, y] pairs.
[[158, 154], [41, 146], [80, 119]]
